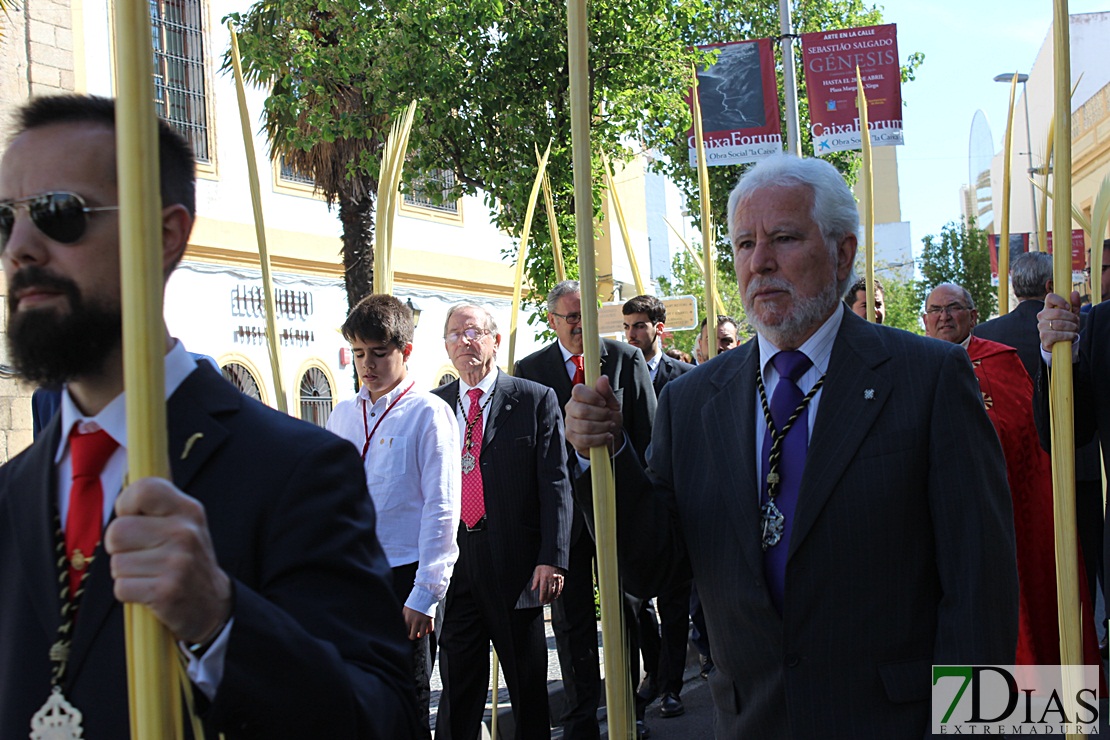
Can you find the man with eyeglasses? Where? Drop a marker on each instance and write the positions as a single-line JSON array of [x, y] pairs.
[[513, 538], [834, 487], [560, 366], [259, 557], [1007, 392]]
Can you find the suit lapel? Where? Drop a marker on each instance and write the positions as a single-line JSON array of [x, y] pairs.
[[729, 420], [194, 435], [855, 390], [32, 519], [502, 404]]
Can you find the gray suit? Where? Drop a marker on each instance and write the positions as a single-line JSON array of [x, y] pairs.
[[902, 553]]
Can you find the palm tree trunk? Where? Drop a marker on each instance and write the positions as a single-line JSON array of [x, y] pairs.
[[357, 217]]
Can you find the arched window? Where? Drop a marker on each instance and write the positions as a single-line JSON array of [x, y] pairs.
[[241, 378], [316, 396]]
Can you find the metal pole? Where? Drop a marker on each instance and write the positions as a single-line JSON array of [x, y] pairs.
[[1029, 158], [789, 83]]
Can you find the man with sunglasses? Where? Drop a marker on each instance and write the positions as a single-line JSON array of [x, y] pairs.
[[259, 557], [560, 366]]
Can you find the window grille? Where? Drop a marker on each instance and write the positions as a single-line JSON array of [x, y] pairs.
[[316, 397], [240, 377], [439, 182], [179, 74]]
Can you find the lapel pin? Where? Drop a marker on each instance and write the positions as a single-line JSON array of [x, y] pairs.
[[508, 407], [869, 394], [189, 444]]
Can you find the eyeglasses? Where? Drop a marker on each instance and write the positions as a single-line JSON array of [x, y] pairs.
[[570, 318], [1087, 270], [471, 333], [60, 216], [950, 309]]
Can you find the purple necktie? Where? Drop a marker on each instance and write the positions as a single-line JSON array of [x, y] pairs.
[[790, 366]]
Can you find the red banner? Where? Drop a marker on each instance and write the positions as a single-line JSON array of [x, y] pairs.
[[1019, 244], [739, 104], [831, 58]]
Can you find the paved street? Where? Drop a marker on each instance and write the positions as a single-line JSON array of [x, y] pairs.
[[697, 722]]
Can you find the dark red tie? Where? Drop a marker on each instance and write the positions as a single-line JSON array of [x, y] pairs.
[[88, 455], [579, 370], [473, 493]]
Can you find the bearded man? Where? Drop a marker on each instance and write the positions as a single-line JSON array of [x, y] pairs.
[[819, 485]]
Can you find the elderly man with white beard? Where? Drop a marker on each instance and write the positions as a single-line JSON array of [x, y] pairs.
[[817, 483]]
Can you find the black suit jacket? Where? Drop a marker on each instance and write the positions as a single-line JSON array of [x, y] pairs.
[[525, 483], [1017, 329], [316, 648], [902, 553], [626, 369], [668, 369]]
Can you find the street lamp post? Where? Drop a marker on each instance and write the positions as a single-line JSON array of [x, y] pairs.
[[1008, 78]]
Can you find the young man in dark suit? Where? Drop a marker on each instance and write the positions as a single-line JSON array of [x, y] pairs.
[[259, 557], [645, 318], [559, 366], [835, 572], [513, 537]]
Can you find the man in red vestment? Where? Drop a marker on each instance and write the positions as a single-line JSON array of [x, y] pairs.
[[1007, 392]]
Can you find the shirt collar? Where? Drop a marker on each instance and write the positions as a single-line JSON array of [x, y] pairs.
[[818, 348], [654, 361], [485, 384], [567, 354], [393, 395], [113, 417]]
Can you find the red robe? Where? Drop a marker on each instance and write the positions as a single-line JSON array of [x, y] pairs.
[[1008, 396]]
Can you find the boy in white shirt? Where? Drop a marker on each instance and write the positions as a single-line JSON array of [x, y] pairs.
[[409, 441]]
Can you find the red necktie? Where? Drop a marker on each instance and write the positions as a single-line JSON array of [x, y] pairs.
[[473, 495], [88, 455], [579, 370]]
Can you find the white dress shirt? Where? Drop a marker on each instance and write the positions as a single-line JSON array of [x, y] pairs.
[[567, 364], [818, 348], [462, 410], [653, 364], [207, 670], [412, 471]]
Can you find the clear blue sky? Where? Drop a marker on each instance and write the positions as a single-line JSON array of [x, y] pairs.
[[966, 43]]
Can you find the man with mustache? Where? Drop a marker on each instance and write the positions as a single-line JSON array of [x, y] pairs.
[[819, 484], [259, 557], [560, 366]]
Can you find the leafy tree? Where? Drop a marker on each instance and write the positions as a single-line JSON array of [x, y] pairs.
[[903, 305], [960, 256], [492, 83]]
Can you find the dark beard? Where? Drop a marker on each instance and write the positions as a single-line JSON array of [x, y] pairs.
[[49, 347]]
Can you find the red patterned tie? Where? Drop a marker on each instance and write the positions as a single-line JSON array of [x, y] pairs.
[[473, 495], [579, 370], [88, 455]]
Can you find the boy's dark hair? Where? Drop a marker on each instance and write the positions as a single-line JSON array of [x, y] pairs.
[[646, 304], [380, 318], [175, 157]]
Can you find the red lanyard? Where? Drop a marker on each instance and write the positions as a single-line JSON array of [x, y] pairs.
[[366, 424]]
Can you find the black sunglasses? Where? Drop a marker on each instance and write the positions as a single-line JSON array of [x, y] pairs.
[[60, 216]]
